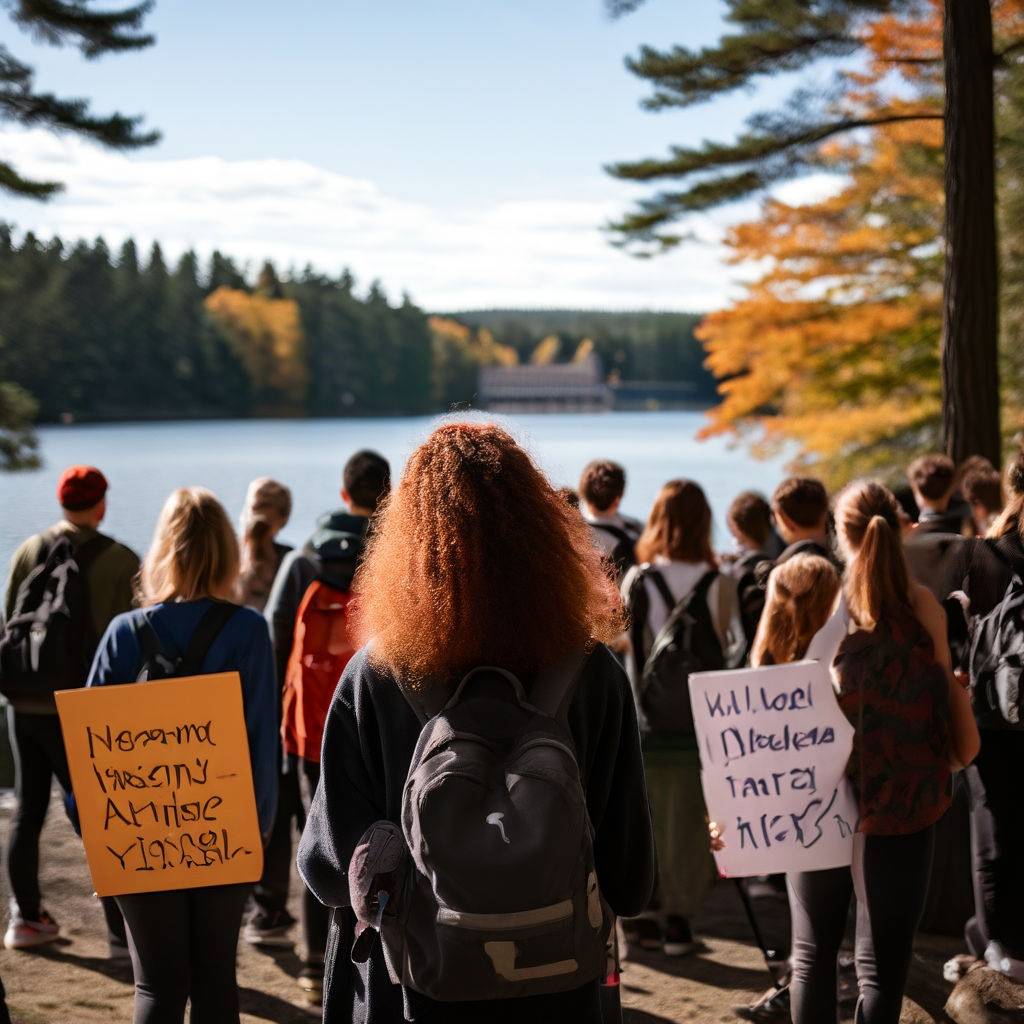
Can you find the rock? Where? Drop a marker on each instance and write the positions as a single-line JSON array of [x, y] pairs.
[[984, 996]]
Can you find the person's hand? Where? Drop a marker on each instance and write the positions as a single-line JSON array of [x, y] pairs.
[[963, 678], [715, 833]]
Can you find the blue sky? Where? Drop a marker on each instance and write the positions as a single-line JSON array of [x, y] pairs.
[[452, 148]]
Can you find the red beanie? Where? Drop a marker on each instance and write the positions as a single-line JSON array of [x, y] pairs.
[[81, 487]]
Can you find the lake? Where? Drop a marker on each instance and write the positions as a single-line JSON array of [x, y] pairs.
[[145, 461]]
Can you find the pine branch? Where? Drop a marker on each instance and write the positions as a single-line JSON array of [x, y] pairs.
[[61, 23], [19, 103], [12, 181], [761, 145], [771, 36], [685, 77]]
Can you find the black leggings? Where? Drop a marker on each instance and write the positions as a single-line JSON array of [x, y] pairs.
[[997, 842], [890, 876], [183, 945], [39, 758]]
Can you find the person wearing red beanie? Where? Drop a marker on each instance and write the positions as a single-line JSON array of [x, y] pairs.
[[109, 570]]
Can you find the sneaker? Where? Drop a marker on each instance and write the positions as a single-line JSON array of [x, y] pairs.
[[999, 960], [956, 968], [678, 937], [24, 934], [848, 989], [773, 1005], [269, 928], [642, 932]]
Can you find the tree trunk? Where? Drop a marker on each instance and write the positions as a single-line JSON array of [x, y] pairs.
[[970, 317]]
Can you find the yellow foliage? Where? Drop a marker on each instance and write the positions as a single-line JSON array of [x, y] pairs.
[[547, 351], [584, 350], [266, 334]]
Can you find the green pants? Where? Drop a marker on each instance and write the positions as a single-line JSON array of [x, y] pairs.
[[686, 868]]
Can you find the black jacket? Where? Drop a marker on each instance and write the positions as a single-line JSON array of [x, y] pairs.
[[369, 739], [944, 562], [332, 555]]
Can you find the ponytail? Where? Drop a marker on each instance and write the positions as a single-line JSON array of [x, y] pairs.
[[259, 561], [1011, 519], [877, 581]]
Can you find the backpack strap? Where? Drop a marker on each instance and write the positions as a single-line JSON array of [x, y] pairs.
[[149, 644], [663, 588], [615, 531], [214, 619], [553, 688]]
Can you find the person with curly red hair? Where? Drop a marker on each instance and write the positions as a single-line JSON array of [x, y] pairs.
[[475, 561]]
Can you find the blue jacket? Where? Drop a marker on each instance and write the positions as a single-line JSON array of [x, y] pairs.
[[242, 646]]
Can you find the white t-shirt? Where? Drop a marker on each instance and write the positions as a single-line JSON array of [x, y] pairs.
[[681, 578], [825, 643]]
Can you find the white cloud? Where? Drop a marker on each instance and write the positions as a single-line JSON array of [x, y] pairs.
[[511, 252]]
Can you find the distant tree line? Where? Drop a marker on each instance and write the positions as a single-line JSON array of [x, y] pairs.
[[90, 334]]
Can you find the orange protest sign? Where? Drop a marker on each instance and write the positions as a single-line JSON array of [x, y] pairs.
[[163, 783]]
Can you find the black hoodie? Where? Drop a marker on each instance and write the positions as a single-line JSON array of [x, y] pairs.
[[369, 739], [332, 555]]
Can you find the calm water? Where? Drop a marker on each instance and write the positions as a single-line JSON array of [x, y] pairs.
[[144, 462]]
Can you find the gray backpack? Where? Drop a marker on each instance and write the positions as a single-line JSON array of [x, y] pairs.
[[489, 891]]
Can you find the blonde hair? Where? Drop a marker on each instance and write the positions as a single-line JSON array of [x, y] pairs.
[[194, 552], [266, 495], [877, 580], [801, 593]]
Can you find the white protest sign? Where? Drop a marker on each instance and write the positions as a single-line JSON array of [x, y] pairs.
[[773, 747]]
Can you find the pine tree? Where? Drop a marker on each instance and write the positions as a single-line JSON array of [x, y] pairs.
[[770, 37], [94, 33]]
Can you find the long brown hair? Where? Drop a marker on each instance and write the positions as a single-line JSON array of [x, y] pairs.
[[877, 581], [194, 552], [476, 560], [801, 592], [679, 526], [1011, 519]]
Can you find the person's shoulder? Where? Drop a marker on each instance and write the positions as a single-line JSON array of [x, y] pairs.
[[249, 621], [632, 524], [602, 675], [365, 683], [127, 623], [926, 606], [28, 550], [116, 551]]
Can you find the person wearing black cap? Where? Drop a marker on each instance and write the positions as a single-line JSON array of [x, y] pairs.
[[109, 569]]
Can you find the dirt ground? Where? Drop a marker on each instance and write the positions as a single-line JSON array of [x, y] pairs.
[[74, 982]]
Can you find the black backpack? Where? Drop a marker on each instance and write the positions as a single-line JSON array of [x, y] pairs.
[[997, 662], [489, 888], [50, 639], [158, 664], [623, 555], [687, 643]]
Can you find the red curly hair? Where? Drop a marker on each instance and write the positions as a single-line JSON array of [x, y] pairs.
[[476, 560]]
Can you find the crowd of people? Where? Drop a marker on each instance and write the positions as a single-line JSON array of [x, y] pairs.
[[474, 658]]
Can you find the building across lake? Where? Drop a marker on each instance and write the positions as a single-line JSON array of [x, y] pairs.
[[575, 387]]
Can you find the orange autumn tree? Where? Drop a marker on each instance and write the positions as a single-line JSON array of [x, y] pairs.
[[459, 351], [266, 335], [834, 347]]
